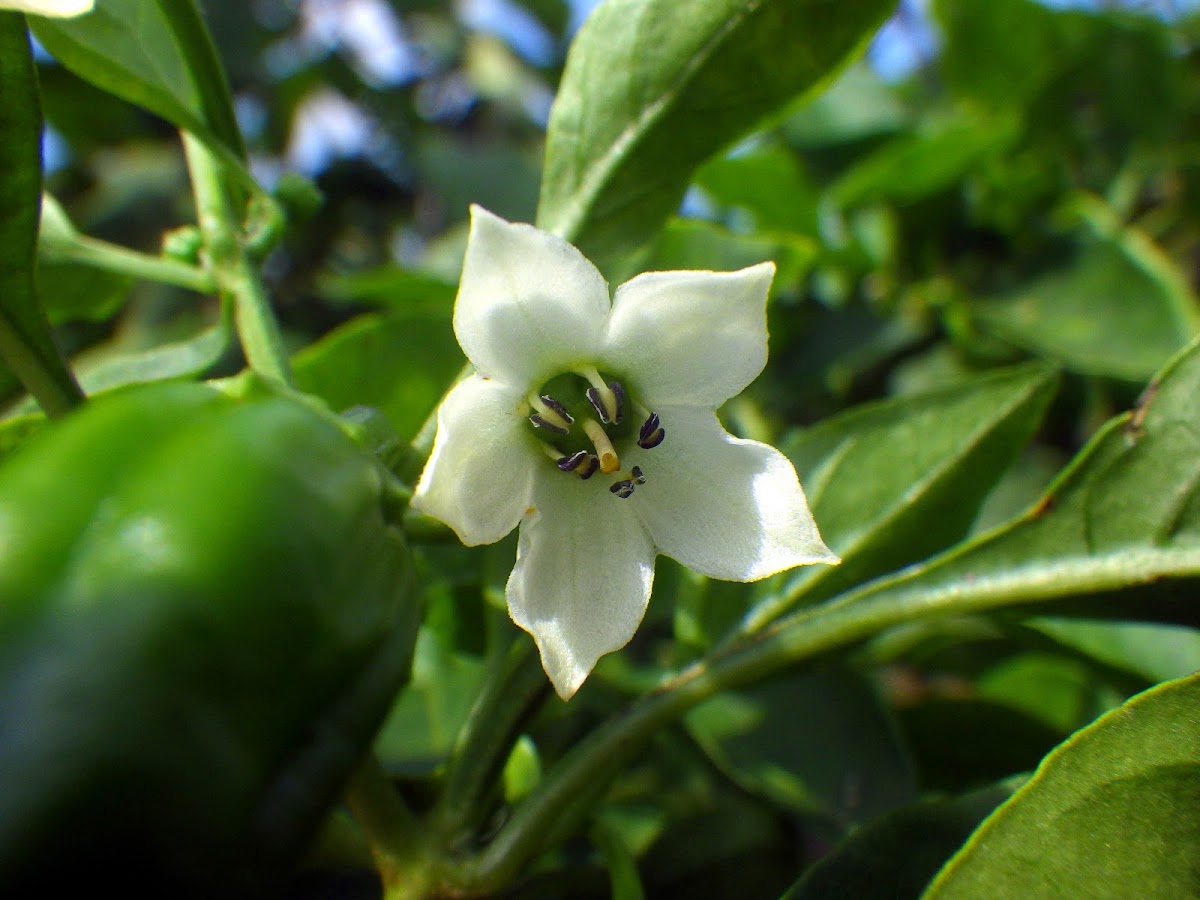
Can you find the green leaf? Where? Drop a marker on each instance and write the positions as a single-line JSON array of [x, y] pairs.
[[881, 510], [649, 94], [895, 856], [961, 744], [156, 54], [1102, 314], [816, 742], [1154, 651], [425, 721], [858, 105], [915, 165], [1118, 533], [769, 183], [977, 64], [696, 244], [626, 884], [178, 359], [1110, 813], [399, 364], [1062, 692], [394, 287], [16, 430], [26, 342], [188, 358]]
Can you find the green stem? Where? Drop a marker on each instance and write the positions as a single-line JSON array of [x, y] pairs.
[[234, 271], [113, 258], [48, 379], [393, 833], [507, 700], [567, 795]]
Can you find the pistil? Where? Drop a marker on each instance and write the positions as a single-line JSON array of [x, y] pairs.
[[605, 452]]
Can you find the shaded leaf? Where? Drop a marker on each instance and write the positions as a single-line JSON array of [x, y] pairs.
[[1156, 652], [818, 742], [394, 287], [26, 342], [856, 106], [897, 855], [1102, 314], [962, 744], [399, 364], [913, 166]]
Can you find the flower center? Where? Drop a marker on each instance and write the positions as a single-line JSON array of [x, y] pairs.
[[589, 444]]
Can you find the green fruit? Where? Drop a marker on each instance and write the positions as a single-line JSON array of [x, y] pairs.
[[204, 618]]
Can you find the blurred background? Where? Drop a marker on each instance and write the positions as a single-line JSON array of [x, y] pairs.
[[991, 181]]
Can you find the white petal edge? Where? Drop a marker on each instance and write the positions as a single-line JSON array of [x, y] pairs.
[[529, 304], [723, 506], [693, 338], [59, 9], [583, 576], [479, 478]]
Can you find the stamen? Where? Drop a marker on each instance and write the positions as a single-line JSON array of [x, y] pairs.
[[651, 433], [607, 399], [540, 422], [551, 412], [609, 462], [571, 463], [623, 489], [588, 467]]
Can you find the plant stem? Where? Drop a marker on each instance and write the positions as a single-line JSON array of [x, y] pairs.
[[393, 833], [113, 258], [232, 268], [507, 700], [49, 380], [569, 792]]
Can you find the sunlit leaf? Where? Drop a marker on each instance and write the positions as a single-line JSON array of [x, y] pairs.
[[156, 54], [1111, 813], [1118, 533], [648, 94]]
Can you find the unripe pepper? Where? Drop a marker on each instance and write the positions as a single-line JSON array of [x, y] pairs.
[[204, 617]]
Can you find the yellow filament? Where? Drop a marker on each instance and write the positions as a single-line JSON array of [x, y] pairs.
[[605, 452]]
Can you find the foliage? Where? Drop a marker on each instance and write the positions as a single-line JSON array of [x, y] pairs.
[[983, 366]]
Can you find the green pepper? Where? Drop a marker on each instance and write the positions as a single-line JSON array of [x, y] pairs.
[[204, 617]]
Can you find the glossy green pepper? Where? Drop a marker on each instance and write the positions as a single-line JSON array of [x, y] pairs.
[[204, 617]]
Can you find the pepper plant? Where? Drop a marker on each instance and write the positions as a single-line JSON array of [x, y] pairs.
[[552, 581]]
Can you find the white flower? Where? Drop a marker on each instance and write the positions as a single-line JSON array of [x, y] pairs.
[[60, 9], [591, 422]]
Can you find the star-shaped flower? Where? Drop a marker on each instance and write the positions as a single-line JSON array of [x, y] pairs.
[[59, 9], [591, 422]]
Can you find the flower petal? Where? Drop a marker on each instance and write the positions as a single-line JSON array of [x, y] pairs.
[[725, 507], [582, 579], [58, 8], [690, 338], [529, 304], [479, 477]]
